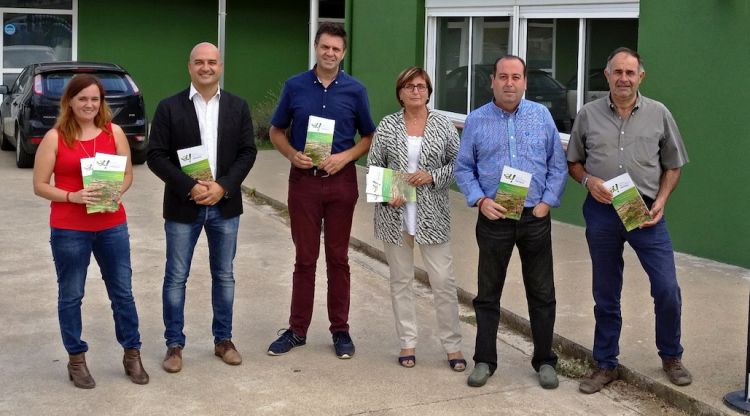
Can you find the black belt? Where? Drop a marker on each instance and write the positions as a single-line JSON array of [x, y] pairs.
[[313, 172]]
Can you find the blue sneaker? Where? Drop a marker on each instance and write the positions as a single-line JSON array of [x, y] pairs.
[[343, 344], [286, 342]]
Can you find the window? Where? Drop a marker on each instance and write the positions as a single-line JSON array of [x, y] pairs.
[[38, 4], [113, 83], [565, 47], [468, 43], [551, 60], [33, 32]]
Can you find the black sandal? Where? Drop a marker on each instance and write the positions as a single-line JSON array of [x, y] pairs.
[[404, 359], [456, 361]]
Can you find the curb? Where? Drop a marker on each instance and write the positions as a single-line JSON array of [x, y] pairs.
[[521, 325]]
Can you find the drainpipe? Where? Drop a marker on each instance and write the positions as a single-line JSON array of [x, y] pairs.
[[222, 36], [314, 15], [348, 16]]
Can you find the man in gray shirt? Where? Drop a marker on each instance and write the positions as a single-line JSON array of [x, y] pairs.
[[627, 132]]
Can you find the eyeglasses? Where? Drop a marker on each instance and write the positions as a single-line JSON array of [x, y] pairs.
[[419, 87]]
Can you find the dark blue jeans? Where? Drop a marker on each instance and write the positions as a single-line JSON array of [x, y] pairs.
[[222, 246], [606, 238], [71, 251], [496, 240]]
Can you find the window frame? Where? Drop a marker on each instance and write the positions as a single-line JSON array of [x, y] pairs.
[[520, 12], [73, 12]]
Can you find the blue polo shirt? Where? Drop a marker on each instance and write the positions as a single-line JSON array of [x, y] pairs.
[[345, 100]]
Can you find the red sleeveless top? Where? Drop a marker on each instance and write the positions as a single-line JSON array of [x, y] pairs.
[[67, 173]]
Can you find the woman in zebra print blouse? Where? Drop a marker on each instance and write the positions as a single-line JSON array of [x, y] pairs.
[[423, 145]]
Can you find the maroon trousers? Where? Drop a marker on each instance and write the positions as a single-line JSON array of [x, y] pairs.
[[317, 201]]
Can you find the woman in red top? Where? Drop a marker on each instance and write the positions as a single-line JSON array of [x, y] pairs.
[[84, 128]]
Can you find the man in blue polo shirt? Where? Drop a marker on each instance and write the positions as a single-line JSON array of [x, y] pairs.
[[511, 131], [323, 196]]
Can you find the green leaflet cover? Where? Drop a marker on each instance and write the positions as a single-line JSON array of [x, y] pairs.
[[385, 185], [628, 201], [108, 175], [194, 162], [87, 169], [512, 191], [319, 139]]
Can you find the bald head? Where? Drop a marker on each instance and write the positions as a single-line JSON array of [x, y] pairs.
[[207, 47], [205, 68]]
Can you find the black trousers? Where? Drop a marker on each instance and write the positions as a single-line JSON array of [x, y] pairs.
[[496, 240]]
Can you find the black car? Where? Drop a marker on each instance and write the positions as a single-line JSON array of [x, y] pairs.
[[540, 87], [30, 106]]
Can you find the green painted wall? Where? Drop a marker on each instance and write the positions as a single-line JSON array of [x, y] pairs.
[[381, 48], [695, 56], [264, 45], [152, 47]]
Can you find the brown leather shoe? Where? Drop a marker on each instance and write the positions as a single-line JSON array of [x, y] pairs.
[[676, 372], [78, 373], [228, 352], [597, 380], [173, 360], [131, 360]]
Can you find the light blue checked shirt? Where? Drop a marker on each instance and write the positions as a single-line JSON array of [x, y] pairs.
[[526, 139]]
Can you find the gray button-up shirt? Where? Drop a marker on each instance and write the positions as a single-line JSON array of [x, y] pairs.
[[644, 145]]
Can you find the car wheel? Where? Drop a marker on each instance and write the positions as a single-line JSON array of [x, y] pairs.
[[138, 157], [24, 159]]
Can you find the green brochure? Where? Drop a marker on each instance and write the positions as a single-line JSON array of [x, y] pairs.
[[108, 175], [385, 185], [87, 169], [628, 201], [194, 162], [512, 191], [319, 139]]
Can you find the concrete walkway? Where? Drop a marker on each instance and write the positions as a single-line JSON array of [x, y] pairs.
[[714, 295], [307, 381]]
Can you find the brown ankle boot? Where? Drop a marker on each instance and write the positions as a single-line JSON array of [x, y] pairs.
[[133, 367], [78, 372]]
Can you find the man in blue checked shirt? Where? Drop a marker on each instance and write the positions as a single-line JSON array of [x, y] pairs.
[[511, 131]]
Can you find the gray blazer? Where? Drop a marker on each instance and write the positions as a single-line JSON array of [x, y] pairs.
[[389, 149]]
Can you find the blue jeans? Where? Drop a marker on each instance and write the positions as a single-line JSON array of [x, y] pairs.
[[222, 246], [71, 251], [606, 238]]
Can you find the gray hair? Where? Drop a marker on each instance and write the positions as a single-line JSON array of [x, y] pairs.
[[627, 51]]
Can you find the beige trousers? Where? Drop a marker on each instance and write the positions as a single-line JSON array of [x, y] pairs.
[[439, 264]]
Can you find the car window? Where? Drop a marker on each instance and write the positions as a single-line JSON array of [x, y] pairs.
[[18, 56], [21, 82], [542, 81], [597, 81], [114, 83]]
